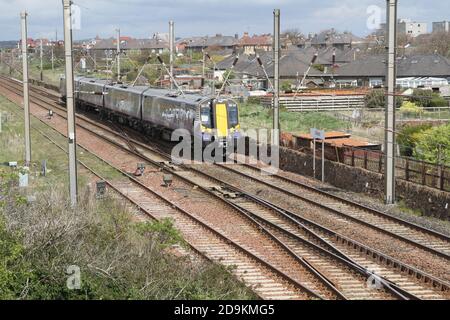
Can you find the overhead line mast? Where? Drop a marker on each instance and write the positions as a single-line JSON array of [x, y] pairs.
[[389, 170], [276, 78], [70, 104], [26, 99]]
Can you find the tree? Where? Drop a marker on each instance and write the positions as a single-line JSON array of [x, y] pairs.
[[436, 42], [294, 35]]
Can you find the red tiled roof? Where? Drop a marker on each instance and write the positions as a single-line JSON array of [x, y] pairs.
[[256, 40]]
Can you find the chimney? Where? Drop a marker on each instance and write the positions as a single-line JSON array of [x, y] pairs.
[[236, 36]]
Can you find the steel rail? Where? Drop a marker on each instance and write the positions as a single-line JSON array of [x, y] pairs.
[[146, 158]]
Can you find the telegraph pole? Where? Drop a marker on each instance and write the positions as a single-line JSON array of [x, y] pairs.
[[118, 54], [73, 185], [389, 171], [276, 77], [41, 54], [171, 45], [26, 101]]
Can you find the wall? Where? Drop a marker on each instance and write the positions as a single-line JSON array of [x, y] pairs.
[[430, 201]]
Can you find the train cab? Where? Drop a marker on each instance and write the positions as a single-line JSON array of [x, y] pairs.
[[219, 121]]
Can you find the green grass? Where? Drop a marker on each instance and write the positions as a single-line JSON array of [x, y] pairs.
[[405, 209], [101, 232], [13, 149], [56, 158], [253, 116]]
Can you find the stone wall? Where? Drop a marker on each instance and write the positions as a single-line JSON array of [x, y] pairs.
[[431, 202]]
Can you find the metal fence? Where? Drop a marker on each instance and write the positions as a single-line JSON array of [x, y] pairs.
[[416, 171]]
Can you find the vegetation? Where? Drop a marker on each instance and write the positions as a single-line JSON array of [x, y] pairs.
[[433, 145], [286, 86], [377, 99], [408, 137], [42, 238], [117, 258], [427, 99], [319, 67], [253, 116], [424, 142], [411, 109]]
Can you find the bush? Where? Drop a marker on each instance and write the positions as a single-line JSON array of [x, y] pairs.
[[319, 67], [377, 99], [286, 86], [117, 257], [411, 109], [438, 102], [254, 100], [408, 137], [427, 99], [433, 145]]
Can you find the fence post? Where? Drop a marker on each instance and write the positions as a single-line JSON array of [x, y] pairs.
[[407, 170], [424, 178], [441, 177], [380, 162], [365, 159]]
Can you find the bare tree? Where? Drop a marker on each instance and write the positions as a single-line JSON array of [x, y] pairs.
[[438, 42], [294, 35]]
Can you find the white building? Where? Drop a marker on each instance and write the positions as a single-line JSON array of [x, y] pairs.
[[411, 28]]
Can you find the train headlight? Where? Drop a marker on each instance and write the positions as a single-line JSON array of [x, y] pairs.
[[206, 136]]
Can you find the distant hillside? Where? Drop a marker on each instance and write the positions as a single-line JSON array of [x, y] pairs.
[[8, 44]]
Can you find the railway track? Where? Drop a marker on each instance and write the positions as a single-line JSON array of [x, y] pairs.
[[339, 266], [289, 263], [419, 236], [266, 281]]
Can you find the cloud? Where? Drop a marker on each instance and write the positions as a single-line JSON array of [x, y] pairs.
[[142, 18]]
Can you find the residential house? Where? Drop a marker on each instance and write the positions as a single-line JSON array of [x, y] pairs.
[[332, 38], [370, 71], [129, 44], [215, 43], [255, 43]]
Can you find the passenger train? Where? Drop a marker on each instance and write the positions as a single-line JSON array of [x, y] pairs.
[[158, 112]]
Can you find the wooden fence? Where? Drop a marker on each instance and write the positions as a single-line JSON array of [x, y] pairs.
[[317, 102], [416, 171]]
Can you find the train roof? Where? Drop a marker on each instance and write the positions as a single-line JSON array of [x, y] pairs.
[[175, 96], [123, 87], [94, 80]]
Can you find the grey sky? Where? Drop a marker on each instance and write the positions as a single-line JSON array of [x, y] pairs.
[[142, 18]]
